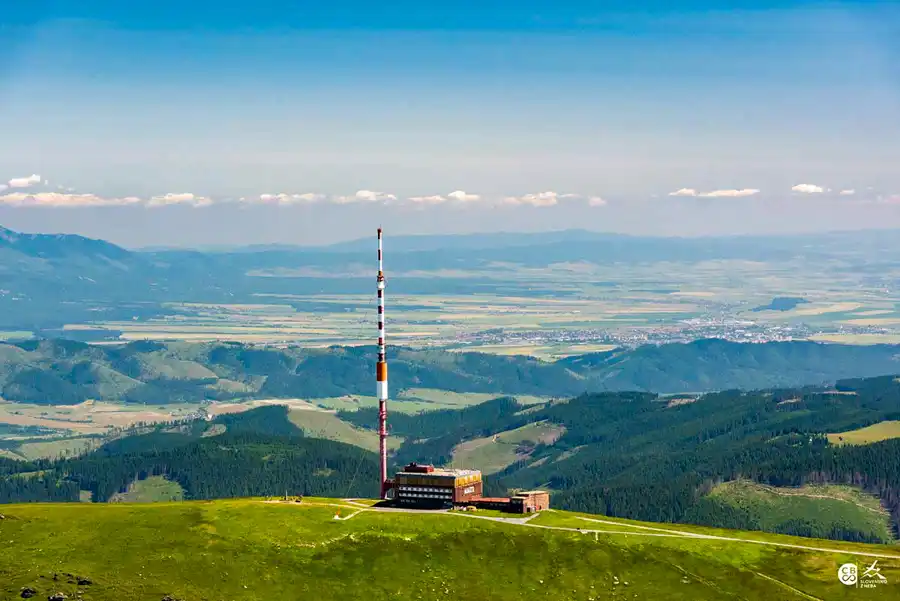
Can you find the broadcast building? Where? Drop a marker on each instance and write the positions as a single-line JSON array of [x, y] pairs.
[[427, 487]]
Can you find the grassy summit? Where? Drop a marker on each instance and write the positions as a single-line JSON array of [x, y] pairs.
[[250, 549]]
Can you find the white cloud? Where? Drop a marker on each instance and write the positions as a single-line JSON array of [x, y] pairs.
[[457, 195], [24, 182], [179, 198], [692, 192], [596, 201], [365, 196], [541, 199], [460, 196], [684, 192], [730, 193], [850, 192], [428, 200], [3, 187], [57, 199], [808, 189], [289, 199]]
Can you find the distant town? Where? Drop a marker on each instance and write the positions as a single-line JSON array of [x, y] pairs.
[[726, 328]]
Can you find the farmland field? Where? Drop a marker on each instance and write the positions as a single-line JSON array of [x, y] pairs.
[[556, 311]]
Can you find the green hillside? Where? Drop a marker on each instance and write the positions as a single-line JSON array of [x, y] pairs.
[[629, 455], [246, 549], [65, 372], [150, 490], [827, 511], [491, 454]]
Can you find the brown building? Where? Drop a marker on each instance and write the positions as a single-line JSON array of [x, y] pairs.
[[526, 502], [427, 486], [530, 501]]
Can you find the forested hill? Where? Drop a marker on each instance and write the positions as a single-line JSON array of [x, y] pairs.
[[637, 455], [624, 454], [259, 453], [67, 372]]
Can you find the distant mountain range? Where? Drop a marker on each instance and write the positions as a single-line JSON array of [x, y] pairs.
[[51, 280]]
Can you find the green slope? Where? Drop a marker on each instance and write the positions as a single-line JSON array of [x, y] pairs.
[[154, 489], [825, 511], [62, 372], [245, 549]]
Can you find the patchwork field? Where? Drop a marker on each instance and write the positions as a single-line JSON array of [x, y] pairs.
[[245, 549], [874, 433], [562, 309], [90, 417]]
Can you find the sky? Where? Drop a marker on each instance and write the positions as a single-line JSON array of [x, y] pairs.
[[197, 123]]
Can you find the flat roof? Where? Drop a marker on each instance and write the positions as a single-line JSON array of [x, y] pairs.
[[438, 471]]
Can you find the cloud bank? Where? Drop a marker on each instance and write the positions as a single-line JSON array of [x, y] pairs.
[[733, 193], [456, 196], [35, 191]]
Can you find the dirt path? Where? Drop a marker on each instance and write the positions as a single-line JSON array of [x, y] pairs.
[[679, 533]]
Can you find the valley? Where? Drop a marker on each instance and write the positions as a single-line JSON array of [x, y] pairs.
[[753, 460], [549, 295]]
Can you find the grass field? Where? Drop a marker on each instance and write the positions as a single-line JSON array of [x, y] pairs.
[[252, 550], [55, 449], [90, 417], [322, 424], [155, 489], [493, 453], [827, 505], [869, 434]]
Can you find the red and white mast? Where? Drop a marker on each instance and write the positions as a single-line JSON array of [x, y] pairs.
[[381, 378]]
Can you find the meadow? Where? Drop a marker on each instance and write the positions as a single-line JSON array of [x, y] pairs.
[[828, 505], [491, 454], [876, 432], [252, 549]]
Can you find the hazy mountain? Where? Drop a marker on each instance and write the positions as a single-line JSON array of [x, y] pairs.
[[50, 280]]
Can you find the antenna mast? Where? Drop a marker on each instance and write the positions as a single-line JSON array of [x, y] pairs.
[[381, 378]]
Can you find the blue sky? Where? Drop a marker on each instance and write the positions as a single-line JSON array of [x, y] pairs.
[[206, 123]]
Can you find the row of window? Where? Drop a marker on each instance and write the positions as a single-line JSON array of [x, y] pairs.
[[425, 489], [427, 496]]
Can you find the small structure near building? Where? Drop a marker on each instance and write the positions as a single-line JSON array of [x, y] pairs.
[[530, 501]]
